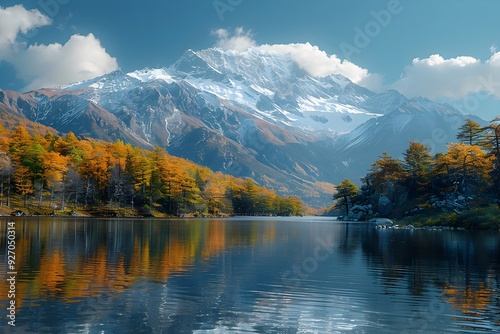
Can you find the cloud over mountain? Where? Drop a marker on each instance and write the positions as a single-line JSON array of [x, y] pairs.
[[454, 78], [80, 58], [317, 62], [310, 58], [239, 41]]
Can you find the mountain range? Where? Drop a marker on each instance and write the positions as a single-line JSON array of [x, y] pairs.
[[251, 114]]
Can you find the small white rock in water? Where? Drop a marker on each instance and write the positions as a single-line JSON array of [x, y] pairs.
[[382, 222]]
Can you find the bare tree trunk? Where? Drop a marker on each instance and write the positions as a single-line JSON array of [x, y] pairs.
[[1, 193], [87, 191], [8, 193], [51, 196], [63, 194], [39, 188], [346, 203]]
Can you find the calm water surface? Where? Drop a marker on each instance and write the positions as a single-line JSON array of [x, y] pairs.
[[249, 275]]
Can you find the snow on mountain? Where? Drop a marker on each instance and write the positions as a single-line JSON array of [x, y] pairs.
[[272, 87], [148, 75], [268, 85], [112, 82]]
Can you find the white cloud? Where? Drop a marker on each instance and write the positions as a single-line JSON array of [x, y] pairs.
[[43, 66], [240, 41], [81, 58], [317, 62], [310, 58], [15, 20], [454, 78]]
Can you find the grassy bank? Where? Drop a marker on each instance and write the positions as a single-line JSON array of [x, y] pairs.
[[487, 218], [31, 208]]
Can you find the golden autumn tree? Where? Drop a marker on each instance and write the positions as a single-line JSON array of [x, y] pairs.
[[470, 132], [290, 206], [20, 141], [173, 181], [55, 167], [119, 183], [235, 191], [386, 174], [266, 202], [71, 146], [156, 160], [215, 194], [467, 167], [189, 199], [250, 195], [23, 178], [4, 144], [138, 168], [94, 168]]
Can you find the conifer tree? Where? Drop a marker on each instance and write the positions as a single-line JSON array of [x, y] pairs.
[[386, 173], [492, 142], [345, 193], [470, 132], [417, 165]]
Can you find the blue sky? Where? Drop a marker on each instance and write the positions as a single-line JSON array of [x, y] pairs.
[[444, 50]]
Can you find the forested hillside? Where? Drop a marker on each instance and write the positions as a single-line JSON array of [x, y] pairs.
[[65, 174]]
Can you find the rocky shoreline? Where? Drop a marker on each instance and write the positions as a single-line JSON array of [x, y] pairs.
[[386, 223]]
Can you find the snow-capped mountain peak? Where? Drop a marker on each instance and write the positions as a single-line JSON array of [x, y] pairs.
[[148, 75], [110, 82], [265, 84]]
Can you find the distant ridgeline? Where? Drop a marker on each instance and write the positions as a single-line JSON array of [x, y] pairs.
[[69, 174], [466, 177]]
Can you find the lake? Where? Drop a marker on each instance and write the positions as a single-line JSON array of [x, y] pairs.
[[248, 275]]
